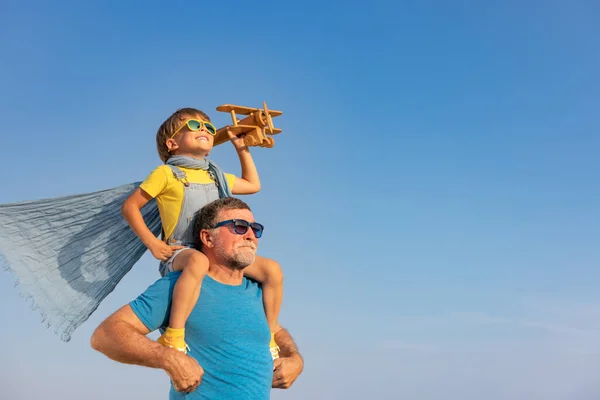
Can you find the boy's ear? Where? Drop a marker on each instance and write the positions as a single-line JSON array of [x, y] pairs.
[[171, 144], [206, 238]]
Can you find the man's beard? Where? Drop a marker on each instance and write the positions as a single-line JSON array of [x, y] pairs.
[[240, 258]]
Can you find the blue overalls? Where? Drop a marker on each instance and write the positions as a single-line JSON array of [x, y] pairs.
[[195, 196]]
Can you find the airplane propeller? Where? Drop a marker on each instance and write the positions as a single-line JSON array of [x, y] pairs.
[[268, 117]]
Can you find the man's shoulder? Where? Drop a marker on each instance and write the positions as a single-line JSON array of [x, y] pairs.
[[252, 286], [169, 278], [166, 283], [152, 307], [249, 282]]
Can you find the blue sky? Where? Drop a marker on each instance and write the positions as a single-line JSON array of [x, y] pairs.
[[433, 197]]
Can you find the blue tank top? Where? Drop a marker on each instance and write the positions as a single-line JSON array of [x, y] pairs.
[[227, 333]]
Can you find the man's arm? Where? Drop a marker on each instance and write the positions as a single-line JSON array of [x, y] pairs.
[[122, 337], [290, 363], [287, 346]]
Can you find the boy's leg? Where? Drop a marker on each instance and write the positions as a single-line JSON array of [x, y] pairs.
[[194, 265], [269, 273]]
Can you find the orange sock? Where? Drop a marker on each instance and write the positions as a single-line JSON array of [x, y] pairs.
[[273, 347], [174, 338]]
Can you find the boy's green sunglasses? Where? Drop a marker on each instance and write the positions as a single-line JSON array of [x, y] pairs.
[[196, 125]]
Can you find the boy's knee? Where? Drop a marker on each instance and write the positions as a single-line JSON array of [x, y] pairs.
[[198, 263], [274, 272]]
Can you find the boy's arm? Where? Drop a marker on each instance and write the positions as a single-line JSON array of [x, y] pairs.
[[265, 270], [132, 214], [249, 183]]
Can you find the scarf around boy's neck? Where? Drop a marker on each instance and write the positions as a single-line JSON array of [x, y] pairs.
[[68, 253], [203, 163]]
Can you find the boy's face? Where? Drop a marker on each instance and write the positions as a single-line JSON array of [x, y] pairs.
[[187, 142]]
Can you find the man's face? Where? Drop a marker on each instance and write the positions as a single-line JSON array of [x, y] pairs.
[[235, 250]]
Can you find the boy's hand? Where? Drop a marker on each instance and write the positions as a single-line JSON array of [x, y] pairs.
[[162, 251], [237, 140]]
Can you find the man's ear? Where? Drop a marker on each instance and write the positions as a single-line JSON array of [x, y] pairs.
[[206, 238]]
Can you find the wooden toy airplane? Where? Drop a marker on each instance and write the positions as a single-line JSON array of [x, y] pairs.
[[257, 125]]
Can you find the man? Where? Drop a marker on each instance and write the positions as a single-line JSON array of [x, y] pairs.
[[227, 331]]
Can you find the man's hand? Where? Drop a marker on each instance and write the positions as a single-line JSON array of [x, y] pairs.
[[184, 371], [286, 371], [122, 337]]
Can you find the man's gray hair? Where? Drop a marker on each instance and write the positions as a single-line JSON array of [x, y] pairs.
[[206, 218]]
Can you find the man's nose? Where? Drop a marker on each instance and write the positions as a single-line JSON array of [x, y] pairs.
[[250, 235]]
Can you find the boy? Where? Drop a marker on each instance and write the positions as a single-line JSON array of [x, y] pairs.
[[187, 182]]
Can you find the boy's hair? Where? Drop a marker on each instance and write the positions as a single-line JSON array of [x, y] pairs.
[[170, 125], [206, 218]]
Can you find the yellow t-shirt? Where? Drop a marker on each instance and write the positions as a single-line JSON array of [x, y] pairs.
[[168, 191]]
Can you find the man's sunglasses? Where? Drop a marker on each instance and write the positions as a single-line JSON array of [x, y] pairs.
[[195, 125], [241, 226]]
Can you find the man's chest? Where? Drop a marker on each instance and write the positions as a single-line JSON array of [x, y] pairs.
[[236, 319]]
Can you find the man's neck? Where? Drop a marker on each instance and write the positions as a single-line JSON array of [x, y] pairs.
[[225, 275]]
